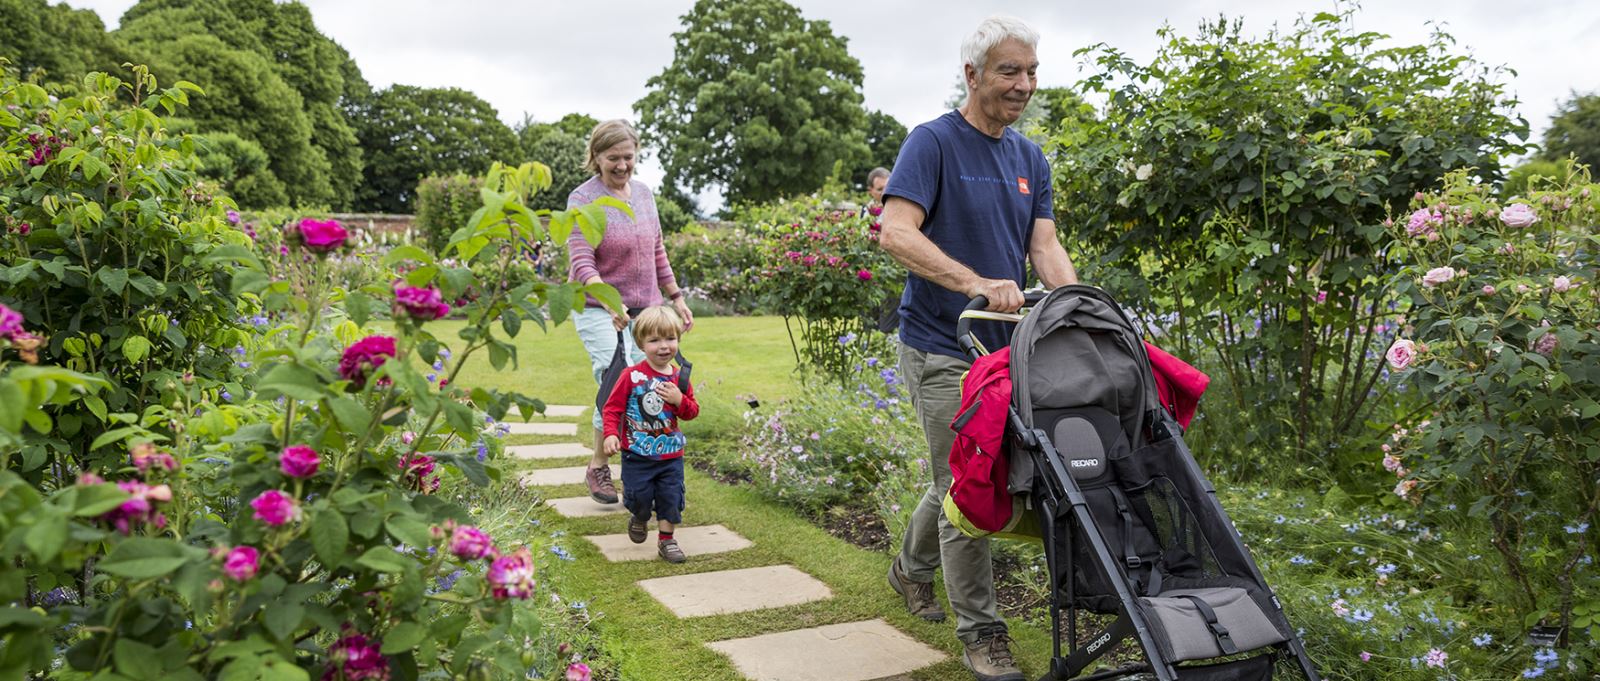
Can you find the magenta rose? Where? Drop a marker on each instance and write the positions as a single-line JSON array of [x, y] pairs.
[[10, 323], [512, 576], [241, 563], [355, 658], [364, 356], [140, 507], [322, 235], [421, 304], [864, 275], [578, 671], [299, 461], [470, 543], [275, 508], [1401, 354], [1518, 215]]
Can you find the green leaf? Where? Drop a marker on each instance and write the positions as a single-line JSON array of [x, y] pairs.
[[409, 530], [383, 559], [359, 306], [114, 278], [404, 636], [93, 500], [293, 380], [407, 252], [249, 281], [47, 535], [605, 293], [275, 668], [136, 348], [473, 469], [144, 558], [283, 618], [136, 660], [330, 536], [351, 416]]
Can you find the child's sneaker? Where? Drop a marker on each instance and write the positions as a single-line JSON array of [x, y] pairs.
[[668, 548], [638, 529]]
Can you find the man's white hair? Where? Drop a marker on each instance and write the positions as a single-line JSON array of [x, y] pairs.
[[993, 31]]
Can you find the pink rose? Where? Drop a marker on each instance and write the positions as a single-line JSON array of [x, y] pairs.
[[242, 563], [10, 323], [1518, 215], [322, 235], [1401, 354], [1437, 276], [364, 356], [512, 576], [140, 507], [415, 471], [1405, 488], [421, 304], [146, 458], [299, 461], [470, 543], [1391, 462], [578, 671], [1562, 285], [1488, 290], [275, 508], [1546, 345], [864, 275]]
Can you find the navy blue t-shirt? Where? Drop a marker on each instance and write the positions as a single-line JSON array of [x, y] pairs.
[[981, 196]]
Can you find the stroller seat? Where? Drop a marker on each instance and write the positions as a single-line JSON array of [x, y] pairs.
[[1199, 624]]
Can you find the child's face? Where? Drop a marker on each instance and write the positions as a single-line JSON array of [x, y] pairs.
[[660, 349]]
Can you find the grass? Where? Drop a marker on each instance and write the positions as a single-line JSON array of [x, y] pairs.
[[734, 357]]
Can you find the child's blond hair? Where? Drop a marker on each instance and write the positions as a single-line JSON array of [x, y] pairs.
[[659, 321]]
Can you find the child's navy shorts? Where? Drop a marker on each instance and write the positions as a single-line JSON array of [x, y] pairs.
[[653, 485]]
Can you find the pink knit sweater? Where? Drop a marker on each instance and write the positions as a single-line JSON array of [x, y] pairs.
[[631, 257]]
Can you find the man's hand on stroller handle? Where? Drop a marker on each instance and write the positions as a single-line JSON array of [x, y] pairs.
[[1002, 294]]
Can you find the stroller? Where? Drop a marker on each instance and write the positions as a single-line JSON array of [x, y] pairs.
[[1131, 527]]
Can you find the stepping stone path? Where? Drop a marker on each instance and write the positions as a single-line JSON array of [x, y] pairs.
[[725, 591], [564, 411], [584, 507], [561, 450], [853, 651], [570, 475], [543, 428], [695, 541]]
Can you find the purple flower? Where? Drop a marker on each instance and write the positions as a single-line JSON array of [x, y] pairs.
[[421, 304], [512, 576], [241, 563], [299, 461], [355, 658], [275, 508], [233, 217], [1547, 344], [470, 543], [364, 356]]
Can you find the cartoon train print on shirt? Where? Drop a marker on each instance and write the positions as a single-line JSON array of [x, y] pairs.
[[651, 419]]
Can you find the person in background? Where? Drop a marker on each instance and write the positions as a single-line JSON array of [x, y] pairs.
[[877, 180], [967, 211], [632, 258]]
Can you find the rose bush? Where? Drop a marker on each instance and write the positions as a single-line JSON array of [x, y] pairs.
[[273, 510], [1501, 340]]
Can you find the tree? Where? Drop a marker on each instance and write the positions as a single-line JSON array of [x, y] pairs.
[[563, 152], [62, 42], [884, 137], [411, 132], [578, 125], [1575, 131], [757, 99], [309, 138]]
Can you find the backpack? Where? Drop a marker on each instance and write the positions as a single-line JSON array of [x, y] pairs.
[[978, 501]]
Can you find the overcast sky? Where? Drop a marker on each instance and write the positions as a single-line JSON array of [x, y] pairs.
[[550, 58]]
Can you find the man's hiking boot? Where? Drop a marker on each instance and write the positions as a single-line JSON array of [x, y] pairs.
[[918, 595], [670, 552], [990, 659], [638, 529], [601, 489]]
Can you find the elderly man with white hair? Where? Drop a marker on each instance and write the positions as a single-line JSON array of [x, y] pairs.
[[966, 211]]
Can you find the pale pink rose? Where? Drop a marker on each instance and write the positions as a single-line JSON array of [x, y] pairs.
[[1488, 290], [1423, 221], [1405, 488], [241, 563], [1508, 249], [1391, 462], [1562, 285], [1385, 448], [1522, 288], [1401, 354], [1518, 215], [1546, 345], [1437, 276]]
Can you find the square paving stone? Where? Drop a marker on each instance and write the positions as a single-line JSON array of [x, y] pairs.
[[585, 507], [560, 450], [564, 411], [855, 651], [726, 591], [543, 428], [570, 475], [695, 541]]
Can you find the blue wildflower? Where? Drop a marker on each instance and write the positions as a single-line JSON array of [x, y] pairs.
[[561, 553], [1483, 639], [1386, 569]]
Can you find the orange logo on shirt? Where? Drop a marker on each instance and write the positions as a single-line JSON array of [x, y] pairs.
[[1022, 185]]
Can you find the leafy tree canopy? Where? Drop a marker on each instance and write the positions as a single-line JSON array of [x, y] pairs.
[[1575, 130], [530, 132], [309, 140], [563, 152], [884, 137], [57, 40], [412, 132], [757, 99]]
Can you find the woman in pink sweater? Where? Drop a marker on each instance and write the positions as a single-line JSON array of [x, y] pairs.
[[631, 258]]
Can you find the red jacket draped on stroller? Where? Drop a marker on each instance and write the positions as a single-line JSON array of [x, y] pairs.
[[979, 501]]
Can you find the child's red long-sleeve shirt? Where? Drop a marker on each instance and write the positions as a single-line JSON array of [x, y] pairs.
[[644, 423]]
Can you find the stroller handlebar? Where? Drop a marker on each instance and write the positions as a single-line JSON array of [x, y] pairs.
[[977, 309]]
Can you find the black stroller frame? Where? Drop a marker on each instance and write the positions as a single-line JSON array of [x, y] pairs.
[[1131, 576]]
